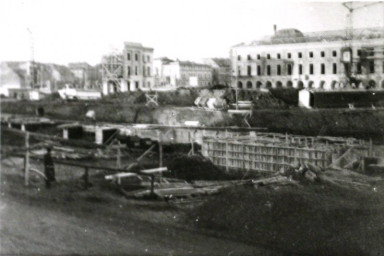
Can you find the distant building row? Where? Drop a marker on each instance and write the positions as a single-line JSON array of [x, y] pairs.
[[134, 68], [322, 60]]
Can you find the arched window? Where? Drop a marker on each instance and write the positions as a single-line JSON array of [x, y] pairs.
[[382, 84], [268, 84], [289, 84], [333, 84], [249, 85], [240, 85], [260, 84], [300, 85], [372, 84], [310, 84], [279, 84], [322, 84]]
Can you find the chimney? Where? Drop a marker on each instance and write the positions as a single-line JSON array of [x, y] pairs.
[[274, 28]]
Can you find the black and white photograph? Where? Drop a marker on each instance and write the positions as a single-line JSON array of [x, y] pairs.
[[191, 127]]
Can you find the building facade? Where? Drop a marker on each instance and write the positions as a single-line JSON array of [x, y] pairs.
[[138, 66], [320, 60], [187, 74], [221, 70], [159, 77]]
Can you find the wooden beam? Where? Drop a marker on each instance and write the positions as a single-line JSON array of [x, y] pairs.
[[155, 170], [120, 175]]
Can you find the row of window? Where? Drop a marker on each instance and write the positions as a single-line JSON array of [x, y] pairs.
[[145, 57], [289, 55], [300, 84], [145, 71], [311, 69], [137, 84]]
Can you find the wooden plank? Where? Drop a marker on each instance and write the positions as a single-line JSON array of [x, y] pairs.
[[120, 175], [154, 170]]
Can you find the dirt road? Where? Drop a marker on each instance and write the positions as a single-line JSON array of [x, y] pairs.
[[66, 221]]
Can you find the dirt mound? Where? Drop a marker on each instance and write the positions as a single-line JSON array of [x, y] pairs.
[[193, 168], [314, 220]]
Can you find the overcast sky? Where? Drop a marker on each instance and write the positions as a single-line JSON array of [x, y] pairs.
[[82, 30]]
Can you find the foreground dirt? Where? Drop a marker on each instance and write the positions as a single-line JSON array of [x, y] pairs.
[[69, 220]]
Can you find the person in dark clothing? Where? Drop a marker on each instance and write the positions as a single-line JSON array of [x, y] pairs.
[[49, 168]]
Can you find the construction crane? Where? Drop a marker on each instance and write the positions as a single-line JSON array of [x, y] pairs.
[[32, 68], [347, 56]]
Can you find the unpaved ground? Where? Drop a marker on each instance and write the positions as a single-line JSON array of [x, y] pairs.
[[69, 220]]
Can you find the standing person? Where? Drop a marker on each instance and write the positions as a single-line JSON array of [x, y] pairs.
[[49, 168]]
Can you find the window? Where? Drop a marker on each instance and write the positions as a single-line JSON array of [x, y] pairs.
[[148, 58], [239, 71], [359, 53], [128, 71], [143, 58], [149, 71], [136, 57], [322, 54], [279, 56], [136, 71], [268, 56], [300, 55], [143, 70], [371, 67], [311, 69], [322, 68], [278, 70], [249, 57], [310, 54], [238, 57], [268, 70], [128, 56], [334, 53], [289, 55], [334, 68], [258, 56], [249, 70], [300, 69], [289, 69], [137, 84], [358, 68], [258, 70]]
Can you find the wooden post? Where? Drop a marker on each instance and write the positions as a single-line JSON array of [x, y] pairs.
[[26, 160], [118, 156], [86, 178], [152, 185], [226, 155], [160, 150], [193, 142]]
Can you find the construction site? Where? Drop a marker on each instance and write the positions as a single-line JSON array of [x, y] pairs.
[[276, 150]]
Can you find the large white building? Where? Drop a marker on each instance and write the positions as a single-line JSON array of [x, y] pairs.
[[323, 60], [187, 74]]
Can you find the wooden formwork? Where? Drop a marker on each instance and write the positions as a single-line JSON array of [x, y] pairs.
[[265, 154]]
